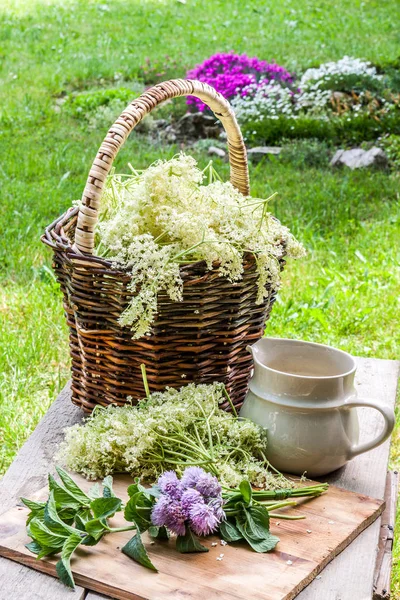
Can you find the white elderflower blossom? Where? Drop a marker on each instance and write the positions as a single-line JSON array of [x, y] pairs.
[[165, 431], [154, 221]]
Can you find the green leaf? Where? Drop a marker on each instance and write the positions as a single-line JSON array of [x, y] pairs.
[[67, 515], [89, 540], [136, 550], [95, 528], [136, 487], [159, 533], [52, 518], [81, 518], [246, 491], [133, 488], [63, 567], [108, 487], [42, 534], [62, 497], [32, 505], [265, 544], [47, 552], [41, 551], [34, 547], [258, 521], [72, 488], [138, 510], [229, 531], [153, 491], [189, 543], [104, 508], [36, 508], [94, 492]]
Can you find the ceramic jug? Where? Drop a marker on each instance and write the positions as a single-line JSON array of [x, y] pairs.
[[304, 395]]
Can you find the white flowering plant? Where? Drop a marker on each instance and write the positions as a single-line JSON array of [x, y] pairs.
[[344, 75], [154, 221], [272, 99], [171, 430], [349, 87]]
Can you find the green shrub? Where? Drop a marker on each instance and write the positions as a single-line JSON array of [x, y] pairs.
[[339, 130], [391, 145], [85, 102], [306, 153]]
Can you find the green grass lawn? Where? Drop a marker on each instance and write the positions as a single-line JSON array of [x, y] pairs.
[[345, 293]]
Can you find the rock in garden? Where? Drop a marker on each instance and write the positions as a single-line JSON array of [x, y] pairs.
[[197, 125], [215, 151], [358, 158], [259, 152]]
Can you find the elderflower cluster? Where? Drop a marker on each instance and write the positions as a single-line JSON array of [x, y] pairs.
[[154, 221], [169, 430]]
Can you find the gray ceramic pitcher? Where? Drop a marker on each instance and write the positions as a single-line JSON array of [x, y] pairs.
[[304, 395]]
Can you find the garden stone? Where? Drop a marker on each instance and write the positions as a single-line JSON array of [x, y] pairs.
[[168, 134], [215, 151], [197, 125], [160, 123], [358, 158], [257, 153]]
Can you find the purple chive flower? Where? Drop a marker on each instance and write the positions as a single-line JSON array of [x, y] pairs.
[[231, 73], [191, 476], [208, 485], [190, 498], [170, 485], [159, 512], [203, 519], [169, 514], [216, 504], [195, 501]]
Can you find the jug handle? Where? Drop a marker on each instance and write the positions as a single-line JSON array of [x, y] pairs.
[[388, 415]]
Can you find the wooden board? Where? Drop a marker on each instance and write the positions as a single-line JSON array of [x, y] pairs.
[[348, 577], [306, 546]]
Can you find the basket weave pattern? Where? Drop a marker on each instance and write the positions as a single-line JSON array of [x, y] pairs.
[[201, 339]]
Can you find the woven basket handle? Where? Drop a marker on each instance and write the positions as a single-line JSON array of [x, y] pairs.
[[132, 115]]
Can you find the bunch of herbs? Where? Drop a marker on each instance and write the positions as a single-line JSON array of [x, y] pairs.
[[171, 430]]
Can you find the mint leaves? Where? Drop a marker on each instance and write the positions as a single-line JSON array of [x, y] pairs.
[[189, 543], [63, 567], [68, 519], [248, 513], [247, 520], [136, 550]]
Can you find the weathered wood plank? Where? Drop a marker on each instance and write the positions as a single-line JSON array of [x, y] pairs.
[[384, 560], [350, 575], [26, 475]]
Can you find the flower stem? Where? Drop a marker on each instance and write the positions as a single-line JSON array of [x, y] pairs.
[[120, 529], [287, 517], [145, 382], [227, 396]]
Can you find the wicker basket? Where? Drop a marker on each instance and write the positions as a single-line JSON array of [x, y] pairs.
[[201, 339]]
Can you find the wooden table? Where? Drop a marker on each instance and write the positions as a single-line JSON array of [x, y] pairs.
[[348, 577]]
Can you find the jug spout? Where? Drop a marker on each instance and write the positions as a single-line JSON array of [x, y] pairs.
[[250, 349], [255, 350]]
